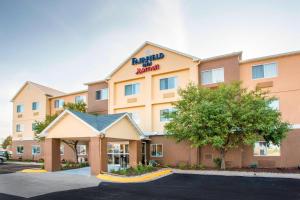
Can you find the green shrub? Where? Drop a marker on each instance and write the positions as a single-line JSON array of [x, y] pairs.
[[139, 170], [183, 166], [218, 162], [153, 163], [253, 165]]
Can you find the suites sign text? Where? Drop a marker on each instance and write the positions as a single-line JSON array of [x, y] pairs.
[[147, 63]]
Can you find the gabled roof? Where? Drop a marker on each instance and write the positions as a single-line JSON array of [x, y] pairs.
[[99, 123], [194, 58], [44, 89], [68, 94]]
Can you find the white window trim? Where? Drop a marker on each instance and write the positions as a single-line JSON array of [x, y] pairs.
[[162, 151], [211, 70], [266, 155], [176, 83], [170, 110], [277, 72], [101, 90], [22, 128], [17, 149], [130, 95], [38, 105], [32, 149]]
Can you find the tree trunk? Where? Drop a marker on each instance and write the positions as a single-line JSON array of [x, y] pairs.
[[73, 145], [223, 152]]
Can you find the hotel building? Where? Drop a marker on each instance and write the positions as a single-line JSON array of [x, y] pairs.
[[131, 103]]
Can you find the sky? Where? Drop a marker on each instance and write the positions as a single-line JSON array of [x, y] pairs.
[[65, 43]]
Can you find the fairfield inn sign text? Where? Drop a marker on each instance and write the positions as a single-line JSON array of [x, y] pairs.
[[147, 63]]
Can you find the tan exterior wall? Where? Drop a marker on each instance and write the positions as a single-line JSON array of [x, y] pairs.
[[174, 153], [144, 103], [97, 106], [123, 129], [26, 97], [286, 86], [70, 98]]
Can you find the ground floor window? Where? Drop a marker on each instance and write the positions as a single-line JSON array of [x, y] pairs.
[[117, 156], [20, 149], [262, 149], [81, 150], [62, 150], [36, 149], [156, 150]]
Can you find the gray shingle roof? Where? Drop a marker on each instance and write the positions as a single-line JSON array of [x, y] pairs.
[[99, 122]]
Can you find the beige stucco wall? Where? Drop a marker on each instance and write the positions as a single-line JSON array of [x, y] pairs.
[[70, 98], [70, 127], [184, 68], [26, 97], [123, 129]]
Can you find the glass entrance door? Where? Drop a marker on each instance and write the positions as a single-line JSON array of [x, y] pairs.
[[118, 156]]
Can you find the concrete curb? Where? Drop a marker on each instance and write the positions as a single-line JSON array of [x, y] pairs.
[[25, 163], [135, 179], [238, 173]]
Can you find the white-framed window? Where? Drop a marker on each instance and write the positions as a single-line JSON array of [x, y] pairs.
[[20, 128], [20, 108], [33, 126], [274, 104], [261, 149], [81, 150], [59, 103], [102, 94], [80, 99], [264, 71], [132, 89], [136, 117], [35, 149], [156, 150], [164, 114], [20, 149], [35, 106], [212, 76], [168, 83], [62, 149]]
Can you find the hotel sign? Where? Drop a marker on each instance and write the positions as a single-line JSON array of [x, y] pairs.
[[147, 62]]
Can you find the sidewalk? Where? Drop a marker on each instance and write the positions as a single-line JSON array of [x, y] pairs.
[[237, 173], [24, 163]]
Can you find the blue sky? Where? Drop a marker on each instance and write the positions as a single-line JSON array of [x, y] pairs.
[[65, 43]]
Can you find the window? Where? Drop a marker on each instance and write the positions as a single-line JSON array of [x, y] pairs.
[[81, 150], [19, 128], [59, 103], [212, 76], [132, 89], [164, 114], [62, 150], [264, 71], [33, 126], [156, 150], [80, 99], [35, 105], [102, 94], [261, 149], [136, 118], [168, 83], [35, 150], [20, 108], [20, 149], [274, 104]]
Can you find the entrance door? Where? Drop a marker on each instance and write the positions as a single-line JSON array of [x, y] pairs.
[[118, 156]]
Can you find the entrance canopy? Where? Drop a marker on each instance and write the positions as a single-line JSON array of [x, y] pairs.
[[72, 124]]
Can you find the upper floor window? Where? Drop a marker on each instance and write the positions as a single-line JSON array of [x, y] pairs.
[[274, 104], [262, 149], [212, 76], [59, 103], [102, 94], [132, 89], [168, 83], [80, 99], [20, 108], [19, 128], [264, 71], [164, 114], [35, 105]]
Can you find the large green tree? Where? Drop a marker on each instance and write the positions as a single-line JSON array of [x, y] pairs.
[[225, 118], [39, 126]]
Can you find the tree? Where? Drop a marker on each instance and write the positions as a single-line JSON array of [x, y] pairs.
[[39, 126], [225, 118], [7, 142]]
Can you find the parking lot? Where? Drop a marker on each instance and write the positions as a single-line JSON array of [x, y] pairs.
[[61, 186], [6, 167]]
